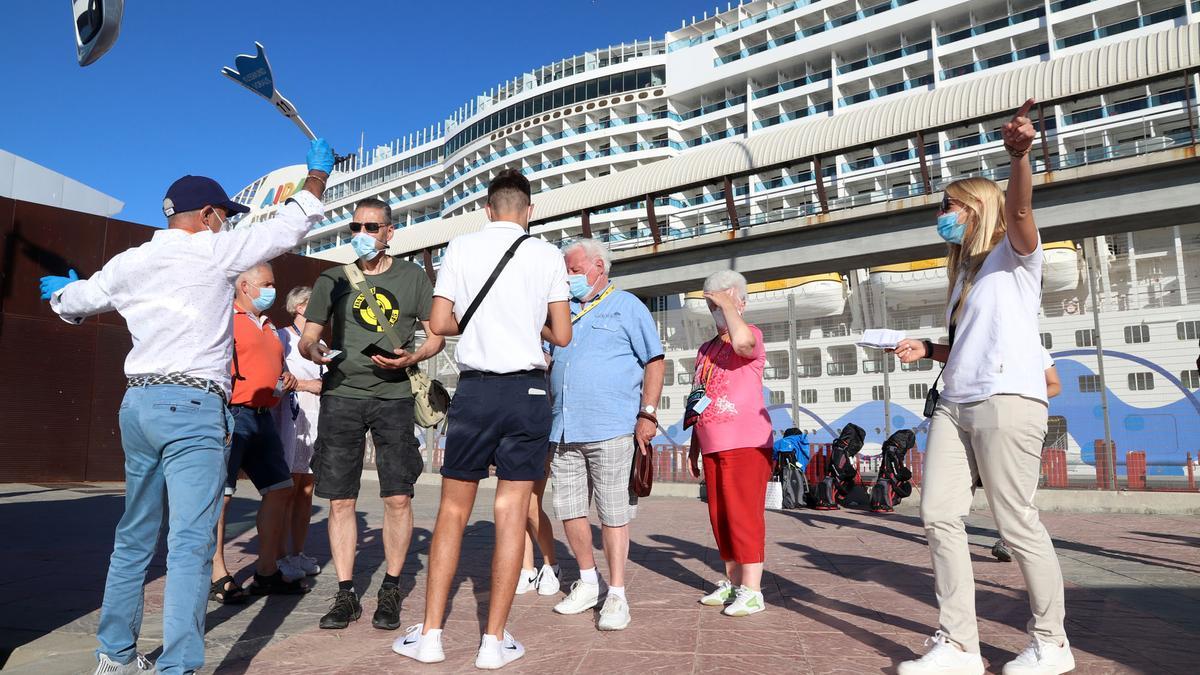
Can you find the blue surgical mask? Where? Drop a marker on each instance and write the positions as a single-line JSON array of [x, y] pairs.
[[580, 288], [950, 229], [266, 298], [364, 246]]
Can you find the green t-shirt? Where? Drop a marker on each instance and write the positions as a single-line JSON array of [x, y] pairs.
[[405, 296]]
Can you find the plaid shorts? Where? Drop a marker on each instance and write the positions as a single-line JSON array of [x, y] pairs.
[[597, 471]]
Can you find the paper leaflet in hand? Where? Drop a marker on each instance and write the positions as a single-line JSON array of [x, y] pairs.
[[881, 338]]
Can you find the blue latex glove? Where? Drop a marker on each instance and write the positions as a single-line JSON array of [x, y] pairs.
[[320, 156], [52, 285]]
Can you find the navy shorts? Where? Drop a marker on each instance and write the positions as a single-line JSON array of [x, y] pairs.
[[501, 421], [256, 449]]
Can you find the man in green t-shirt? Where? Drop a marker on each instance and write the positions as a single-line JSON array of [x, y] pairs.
[[366, 389]]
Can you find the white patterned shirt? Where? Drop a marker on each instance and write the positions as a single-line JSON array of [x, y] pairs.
[[175, 291]]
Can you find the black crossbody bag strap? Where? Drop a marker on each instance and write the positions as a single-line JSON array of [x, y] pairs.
[[931, 398], [487, 286]]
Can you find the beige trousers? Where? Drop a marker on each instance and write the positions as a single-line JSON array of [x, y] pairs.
[[998, 440]]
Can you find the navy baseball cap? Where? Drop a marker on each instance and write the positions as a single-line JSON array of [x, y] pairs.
[[195, 192]]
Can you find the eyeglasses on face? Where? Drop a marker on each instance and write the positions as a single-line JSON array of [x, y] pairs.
[[371, 228]]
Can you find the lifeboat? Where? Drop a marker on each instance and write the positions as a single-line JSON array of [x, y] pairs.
[[1060, 267], [817, 296], [911, 284]]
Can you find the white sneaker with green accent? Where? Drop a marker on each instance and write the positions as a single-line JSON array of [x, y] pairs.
[[745, 602], [722, 596], [615, 613], [139, 664], [1042, 658], [943, 658], [583, 596]]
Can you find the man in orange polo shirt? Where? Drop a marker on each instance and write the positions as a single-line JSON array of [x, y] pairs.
[[259, 380]]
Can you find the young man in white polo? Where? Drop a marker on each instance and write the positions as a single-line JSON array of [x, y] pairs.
[[500, 415]]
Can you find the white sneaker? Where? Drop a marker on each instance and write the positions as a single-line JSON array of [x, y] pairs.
[[289, 570], [425, 648], [303, 561], [527, 582], [723, 595], [583, 596], [615, 613], [140, 664], [547, 580], [745, 603], [944, 658], [1042, 658], [495, 654]]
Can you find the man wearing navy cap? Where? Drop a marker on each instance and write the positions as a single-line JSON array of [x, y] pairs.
[[175, 292]]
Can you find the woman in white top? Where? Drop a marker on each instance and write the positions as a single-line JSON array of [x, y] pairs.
[[991, 419], [297, 418]]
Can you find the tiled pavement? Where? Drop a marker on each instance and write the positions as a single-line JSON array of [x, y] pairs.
[[849, 592]]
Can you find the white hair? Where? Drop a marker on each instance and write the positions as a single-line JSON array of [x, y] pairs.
[[726, 279], [592, 249], [296, 297]]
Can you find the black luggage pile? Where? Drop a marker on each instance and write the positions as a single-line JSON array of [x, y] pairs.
[[894, 482], [840, 472]]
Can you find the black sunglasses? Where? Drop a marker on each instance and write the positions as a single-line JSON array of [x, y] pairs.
[[372, 228]]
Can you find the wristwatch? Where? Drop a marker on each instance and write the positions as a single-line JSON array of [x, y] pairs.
[[649, 409]]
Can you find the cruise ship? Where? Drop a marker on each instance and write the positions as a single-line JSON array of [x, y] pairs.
[[763, 65]]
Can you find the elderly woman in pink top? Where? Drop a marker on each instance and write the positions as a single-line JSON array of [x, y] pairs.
[[732, 432]]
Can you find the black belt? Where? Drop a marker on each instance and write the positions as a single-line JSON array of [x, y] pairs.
[[255, 409], [477, 374], [178, 379]]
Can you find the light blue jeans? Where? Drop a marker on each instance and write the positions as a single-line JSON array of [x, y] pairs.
[[175, 441]]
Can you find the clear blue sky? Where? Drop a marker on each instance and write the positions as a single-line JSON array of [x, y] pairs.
[[155, 107]]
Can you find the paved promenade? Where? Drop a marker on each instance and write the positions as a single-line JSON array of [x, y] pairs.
[[848, 592]]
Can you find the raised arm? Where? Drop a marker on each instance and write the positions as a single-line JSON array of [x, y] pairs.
[[1018, 200], [238, 250], [75, 299]]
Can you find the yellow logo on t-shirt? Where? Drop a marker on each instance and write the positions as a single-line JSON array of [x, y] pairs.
[[366, 317]]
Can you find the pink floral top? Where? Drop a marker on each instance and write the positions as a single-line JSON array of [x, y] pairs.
[[737, 416]]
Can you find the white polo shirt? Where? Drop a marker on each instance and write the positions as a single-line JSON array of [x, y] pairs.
[[504, 335]]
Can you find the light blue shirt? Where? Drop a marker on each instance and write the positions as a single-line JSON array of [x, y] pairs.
[[596, 380]]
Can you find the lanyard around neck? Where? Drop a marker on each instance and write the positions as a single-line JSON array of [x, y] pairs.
[[592, 305]]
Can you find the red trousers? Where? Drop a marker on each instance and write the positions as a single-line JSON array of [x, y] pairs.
[[737, 494]]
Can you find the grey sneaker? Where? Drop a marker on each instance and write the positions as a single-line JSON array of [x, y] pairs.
[[106, 666]]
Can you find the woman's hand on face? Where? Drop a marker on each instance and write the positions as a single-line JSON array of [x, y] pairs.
[[722, 299], [909, 350], [694, 461]]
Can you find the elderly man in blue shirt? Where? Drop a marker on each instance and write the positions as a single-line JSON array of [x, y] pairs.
[[605, 387]]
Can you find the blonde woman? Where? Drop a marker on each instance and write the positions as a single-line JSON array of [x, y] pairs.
[[991, 419]]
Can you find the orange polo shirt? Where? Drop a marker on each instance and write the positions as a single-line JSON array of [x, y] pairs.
[[259, 360]]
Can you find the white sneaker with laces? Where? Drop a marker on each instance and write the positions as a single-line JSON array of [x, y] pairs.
[[289, 569], [1042, 658], [547, 580], [425, 648], [303, 561], [495, 654], [745, 602], [140, 664], [943, 658], [583, 596], [722, 596], [615, 613], [527, 582]]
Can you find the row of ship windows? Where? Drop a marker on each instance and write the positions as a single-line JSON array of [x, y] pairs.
[[1142, 381], [722, 31], [1136, 334]]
